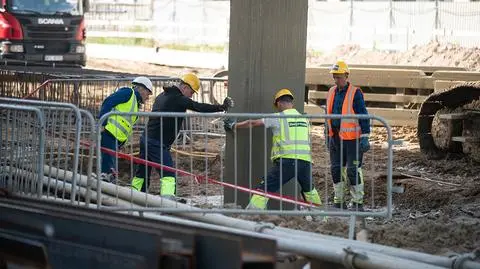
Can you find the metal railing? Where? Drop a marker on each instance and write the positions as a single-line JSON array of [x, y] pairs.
[[22, 147], [65, 127], [89, 94], [201, 181], [124, 199], [389, 25]]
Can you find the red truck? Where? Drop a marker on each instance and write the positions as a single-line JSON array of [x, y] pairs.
[[43, 31]]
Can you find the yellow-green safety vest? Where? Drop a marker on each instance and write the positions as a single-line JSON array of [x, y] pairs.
[[292, 140], [121, 127]]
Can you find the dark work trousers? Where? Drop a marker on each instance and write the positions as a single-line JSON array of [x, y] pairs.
[[157, 153], [285, 169], [345, 153], [109, 161]]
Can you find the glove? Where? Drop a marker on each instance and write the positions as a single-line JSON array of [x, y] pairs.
[[227, 103], [229, 124], [364, 144]]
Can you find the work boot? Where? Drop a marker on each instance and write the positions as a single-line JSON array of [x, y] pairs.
[[110, 178], [316, 218], [257, 202], [357, 207]]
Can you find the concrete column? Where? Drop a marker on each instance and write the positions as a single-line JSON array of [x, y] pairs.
[[267, 52]]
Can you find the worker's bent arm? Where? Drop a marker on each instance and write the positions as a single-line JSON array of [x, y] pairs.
[[249, 123]]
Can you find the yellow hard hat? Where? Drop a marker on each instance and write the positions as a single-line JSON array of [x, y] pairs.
[[191, 80], [281, 93], [340, 67]]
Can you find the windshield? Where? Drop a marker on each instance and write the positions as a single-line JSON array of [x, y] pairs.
[[66, 7]]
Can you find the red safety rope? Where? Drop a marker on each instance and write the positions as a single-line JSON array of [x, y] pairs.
[[198, 178]]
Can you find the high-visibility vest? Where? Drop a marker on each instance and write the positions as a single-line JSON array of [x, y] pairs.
[[121, 127], [292, 139], [349, 128]]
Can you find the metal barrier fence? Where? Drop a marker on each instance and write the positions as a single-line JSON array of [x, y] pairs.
[[139, 10], [200, 174], [89, 94], [21, 150], [64, 129], [325, 248], [199, 168], [14, 83], [390, 25]]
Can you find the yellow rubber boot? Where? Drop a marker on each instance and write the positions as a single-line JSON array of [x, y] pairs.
[[137, 183], [257, 202]]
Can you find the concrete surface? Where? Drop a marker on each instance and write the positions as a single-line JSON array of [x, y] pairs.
[[168, 57]]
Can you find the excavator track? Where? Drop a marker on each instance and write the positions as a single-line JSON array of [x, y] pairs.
[[448, 122]]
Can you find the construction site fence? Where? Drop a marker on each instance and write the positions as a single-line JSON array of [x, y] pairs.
[[64, 127], [33, 131], [202, 175], [71, 157], [391, 25], [22, 140], [89, 94]]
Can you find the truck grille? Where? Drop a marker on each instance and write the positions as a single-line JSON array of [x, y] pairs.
[[50, 32]]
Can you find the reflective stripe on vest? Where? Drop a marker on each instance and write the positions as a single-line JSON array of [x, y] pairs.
[[292, 140], [349, 128], [121, 127]]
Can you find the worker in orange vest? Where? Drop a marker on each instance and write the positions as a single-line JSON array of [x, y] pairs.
[[347, 138]]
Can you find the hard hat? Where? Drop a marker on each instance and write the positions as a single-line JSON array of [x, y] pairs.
[[145, 82], [281, 93], [340, 67], [191, 80]]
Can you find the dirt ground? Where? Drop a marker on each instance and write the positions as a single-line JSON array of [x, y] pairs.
[[432, 54], [439, 210], [439, 213]]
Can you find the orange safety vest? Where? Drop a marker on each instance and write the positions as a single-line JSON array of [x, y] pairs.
[[349, 128]]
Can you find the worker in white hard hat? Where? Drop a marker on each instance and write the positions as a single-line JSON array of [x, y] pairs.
[[117, 129], [291, 151], [347, 139], [161, 132]]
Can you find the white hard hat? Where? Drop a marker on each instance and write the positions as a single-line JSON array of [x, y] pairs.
[[145, 82]]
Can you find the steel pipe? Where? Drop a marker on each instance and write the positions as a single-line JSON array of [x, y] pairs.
[[318, 243]]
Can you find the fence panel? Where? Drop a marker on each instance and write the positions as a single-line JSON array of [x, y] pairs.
[[65, 126], [101, 10], [22, 148], [394, 25], [200, 173], [89, 94]]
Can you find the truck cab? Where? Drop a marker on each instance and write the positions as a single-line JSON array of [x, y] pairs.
[[43, 31]]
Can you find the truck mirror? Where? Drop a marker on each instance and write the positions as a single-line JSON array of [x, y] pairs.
[[86, 5]]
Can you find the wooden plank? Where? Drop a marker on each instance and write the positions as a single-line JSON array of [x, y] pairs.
[[440, 85], [371, 77], [394, 117], [424, 68], [376, 97], [464, 139], [456, 75]]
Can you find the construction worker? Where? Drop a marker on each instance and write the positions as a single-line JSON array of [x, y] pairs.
[[347, 138], [117, 129], [161, 132], [291, 151]]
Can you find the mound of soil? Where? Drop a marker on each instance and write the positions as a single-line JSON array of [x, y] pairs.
[[432, 54]]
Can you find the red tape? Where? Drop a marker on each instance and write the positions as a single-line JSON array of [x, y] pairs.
[[198, 179]]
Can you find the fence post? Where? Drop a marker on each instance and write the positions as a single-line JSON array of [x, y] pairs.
[[391, 20], [351, 21], [437, 20]]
